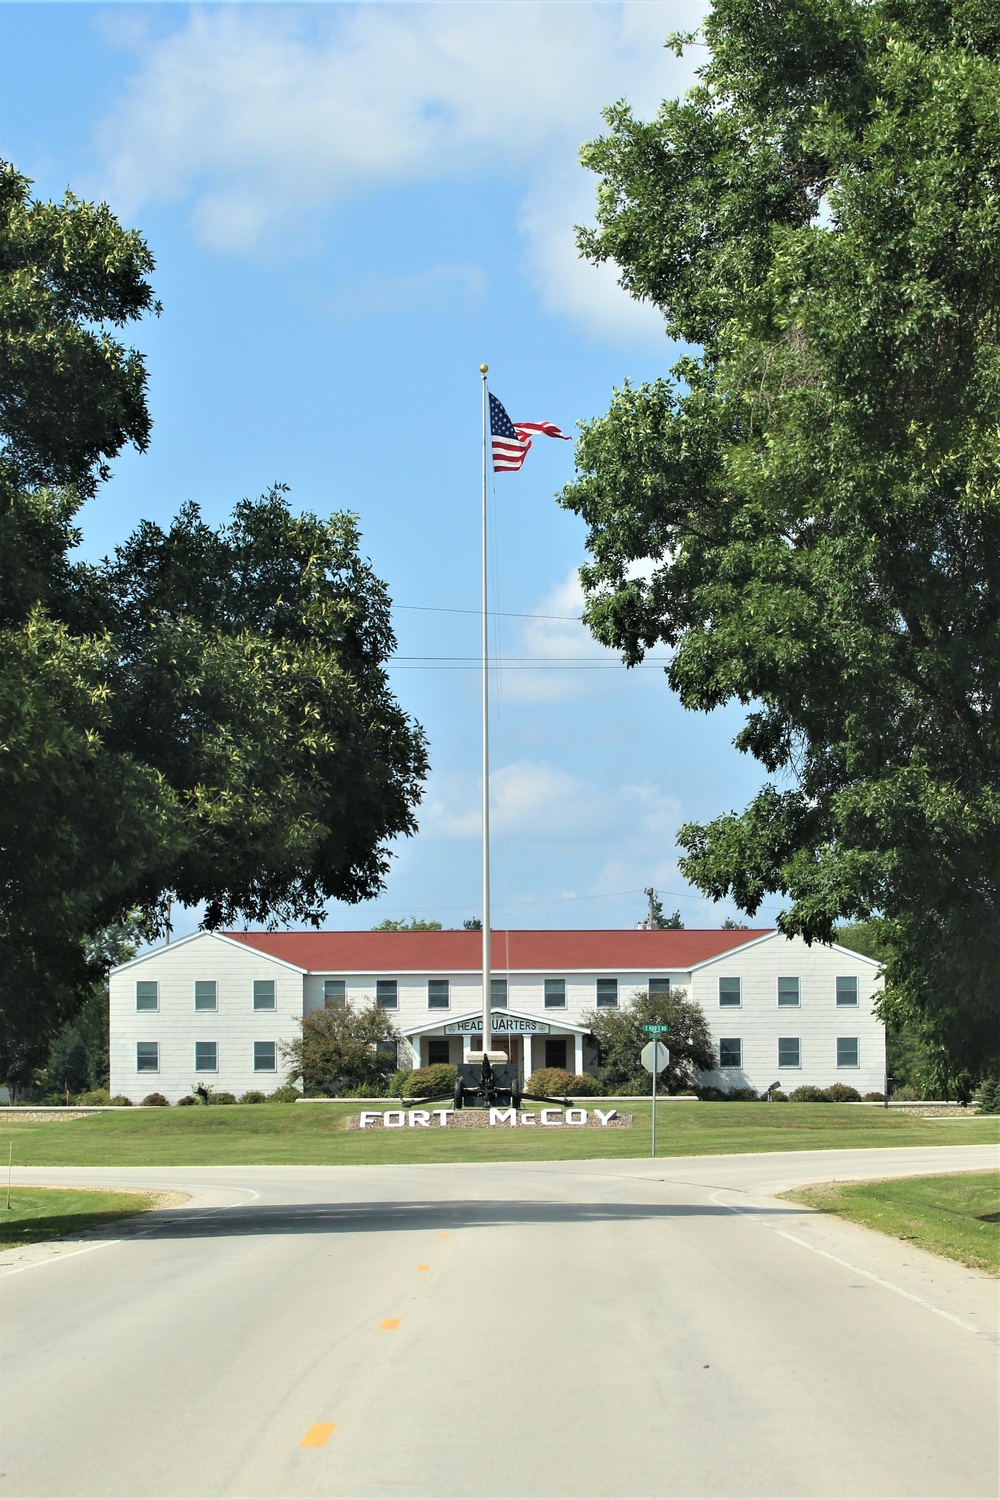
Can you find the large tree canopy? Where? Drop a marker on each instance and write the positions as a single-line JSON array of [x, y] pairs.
[[808, 512], [204, 716]]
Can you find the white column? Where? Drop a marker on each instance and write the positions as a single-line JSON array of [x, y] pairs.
[[415, 1044], [527, 1055], [578, 1048]]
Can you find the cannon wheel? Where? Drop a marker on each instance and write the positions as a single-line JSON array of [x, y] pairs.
[[459, 1100], [516, 1096]]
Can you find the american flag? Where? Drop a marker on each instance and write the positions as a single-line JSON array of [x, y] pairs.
[[511, 440]]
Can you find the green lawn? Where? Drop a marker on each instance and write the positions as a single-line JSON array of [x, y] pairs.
[[314, 1135], [48, 1213], [957, 1216]]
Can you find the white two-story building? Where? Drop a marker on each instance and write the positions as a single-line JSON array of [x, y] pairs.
[[215, 1008]]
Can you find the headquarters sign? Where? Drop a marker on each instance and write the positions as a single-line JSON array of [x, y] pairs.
[[501, 1023]]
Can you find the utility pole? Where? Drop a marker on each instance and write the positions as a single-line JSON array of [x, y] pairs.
[[651, 920]]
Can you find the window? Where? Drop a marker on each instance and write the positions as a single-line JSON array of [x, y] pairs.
[[498, 994], [555, 999], [438, 1050], [847, 989], [206, 1057], [659, 984], [147, 1057], [437, 994], [263, 994], [788, 992], [788, 1052], [730, 1052], [607, 992], [264, 1060], [729, 992], [335, 993], [386, 994], [847, 1052], [555, 1052], [147, 994], [206, 994]]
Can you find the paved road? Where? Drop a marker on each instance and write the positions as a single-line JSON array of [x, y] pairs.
[[558, 1329]]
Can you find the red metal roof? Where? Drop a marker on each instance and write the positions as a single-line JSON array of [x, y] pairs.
[[429, 952]]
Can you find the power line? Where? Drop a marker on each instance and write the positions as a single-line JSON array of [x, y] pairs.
[[499, 614]]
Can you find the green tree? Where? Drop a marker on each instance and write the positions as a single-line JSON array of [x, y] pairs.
[[620, 1039], [817, 485], [473, 924], [342, 1050], [656, 920], [205, 716], [406, 924]]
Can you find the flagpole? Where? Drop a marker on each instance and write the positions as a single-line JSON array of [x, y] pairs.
[[487, 1020]]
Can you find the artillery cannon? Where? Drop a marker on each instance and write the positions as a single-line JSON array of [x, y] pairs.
[[486, 1080]]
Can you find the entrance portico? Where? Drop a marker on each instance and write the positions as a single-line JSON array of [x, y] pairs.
[[525, 1039]]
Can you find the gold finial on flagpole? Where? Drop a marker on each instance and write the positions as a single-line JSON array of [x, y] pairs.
[[483, 369]]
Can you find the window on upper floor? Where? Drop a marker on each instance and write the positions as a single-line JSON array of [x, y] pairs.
[[729, 992], [498, 994], [206, 1057], [555, 994], [730, 1052], [788, 992], [265, 1057], [263, 994], [335, 993], [607, 993], [437, 994], [847, 989], [387, 994], [206, 994], [659, 984], [147, 1057], [847, 1052], [147, 994], [789, 1052]]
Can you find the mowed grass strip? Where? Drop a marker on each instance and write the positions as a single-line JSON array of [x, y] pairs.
[[957, 1215], [50, 1213], [316, 1135]]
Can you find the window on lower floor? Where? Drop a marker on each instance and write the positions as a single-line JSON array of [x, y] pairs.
[[263, 994], [788, 992], [847, 1052], [555, 1052], [206, 994], [147, 1057], [264, 1057], [729, 992], [387, 994], [730, 1052], [206, 1057], [498, 994], [847, 989], [335, 993], [607, 993], [147, 994], [788, 1052], [555, 994], [438, 1050], [437, 994]]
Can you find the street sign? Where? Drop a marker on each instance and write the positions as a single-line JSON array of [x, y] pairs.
[[657, 1030], [654, 1057]]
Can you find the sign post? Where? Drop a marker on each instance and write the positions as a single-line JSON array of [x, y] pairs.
[[654, 1058]]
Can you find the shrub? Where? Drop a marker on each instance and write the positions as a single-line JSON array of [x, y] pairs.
[[120, 1099], [435, 1082], [906, 1094], [253, 1096], [842, 1093], [874, 1098], [808, 1093], [710, 1094], [155, 1099], [223, 1096], [285, 1093], [620, 1038], [743, 1096], [343, 1051], [559, 1082], [94, 1096], [778, 1096], [399, 1084], [187, 1099], [988, 1101]]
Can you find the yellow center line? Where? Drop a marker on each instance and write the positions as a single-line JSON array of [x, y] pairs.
[[442, 1236], [423, 1268], [318, 1435], [390, 1323]]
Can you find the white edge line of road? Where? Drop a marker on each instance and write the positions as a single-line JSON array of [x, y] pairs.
[[57, 1260], [890, 1286]]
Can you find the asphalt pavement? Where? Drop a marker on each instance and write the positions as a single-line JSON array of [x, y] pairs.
[[624, 1328]]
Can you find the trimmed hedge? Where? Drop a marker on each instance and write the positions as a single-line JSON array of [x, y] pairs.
[[437, 1081], [557, 1081], [155, 1099]]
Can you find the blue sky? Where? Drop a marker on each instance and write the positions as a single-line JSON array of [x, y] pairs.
[[350, 207]]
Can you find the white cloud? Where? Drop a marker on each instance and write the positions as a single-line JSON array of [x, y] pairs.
[[459, 285], [262, 119]]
